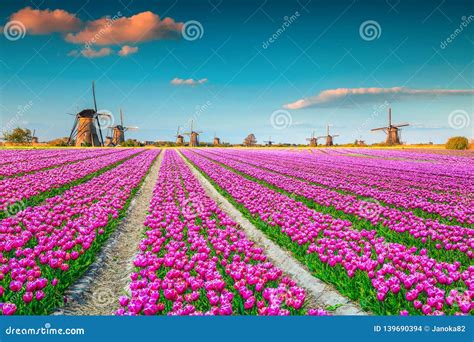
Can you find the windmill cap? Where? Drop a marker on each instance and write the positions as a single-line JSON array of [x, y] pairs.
[[86, 113]]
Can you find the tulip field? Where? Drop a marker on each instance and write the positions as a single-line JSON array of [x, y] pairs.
[[391, 231]]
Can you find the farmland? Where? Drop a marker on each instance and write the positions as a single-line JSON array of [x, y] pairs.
[[237, 231]]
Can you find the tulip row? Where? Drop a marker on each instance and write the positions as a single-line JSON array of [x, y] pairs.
[[28, 165], [50, 182], [386, 278], [18, 156], [353, 180], [195, 260], [438, 176], [440, 240], [44, 249], [416, 155]]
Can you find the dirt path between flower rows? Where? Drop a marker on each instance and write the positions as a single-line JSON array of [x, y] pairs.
[[98, 290], [320, 294]]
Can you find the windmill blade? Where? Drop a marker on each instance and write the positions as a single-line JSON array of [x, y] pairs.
[[379, 129], [321, 137], [74, 127], [93, 95], [121, 117], [402, 125], [130, 128], [336, 135], [71, 114]]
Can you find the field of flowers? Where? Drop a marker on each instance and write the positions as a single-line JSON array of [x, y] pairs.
[[343, 215], [392, 231]]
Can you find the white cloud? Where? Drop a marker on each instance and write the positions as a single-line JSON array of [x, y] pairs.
[[332, 97]]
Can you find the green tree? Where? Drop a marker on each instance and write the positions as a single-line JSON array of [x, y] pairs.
[[18, 136], [457, 143], [130, 143]]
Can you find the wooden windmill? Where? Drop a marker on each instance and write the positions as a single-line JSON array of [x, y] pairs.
[[34, 138], [216, 141], [179, 138], [193, 136], [269, 142], [116, 134], [86, 130], [313, 141], [392, 131], [329, 137]]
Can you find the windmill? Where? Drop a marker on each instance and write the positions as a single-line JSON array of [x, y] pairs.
[[269, 142], [34, 138], [313, 141], [86, 129], [179, 138], [329, 138], [193, 136], [392, 131], [216, 141], [117, 133]]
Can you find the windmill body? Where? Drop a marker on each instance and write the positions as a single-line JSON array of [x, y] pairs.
[[392, 131], [194, 140], [193, 136], [87, 134], [269, 142], [86, 130], [117, 136], [34, 138], [313, 141], [179, 138], [216, 141], [329, 138]]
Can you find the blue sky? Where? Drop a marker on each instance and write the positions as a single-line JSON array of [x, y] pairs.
[[248, 80]]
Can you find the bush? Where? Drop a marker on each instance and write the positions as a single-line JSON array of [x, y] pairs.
[[457, 143]]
